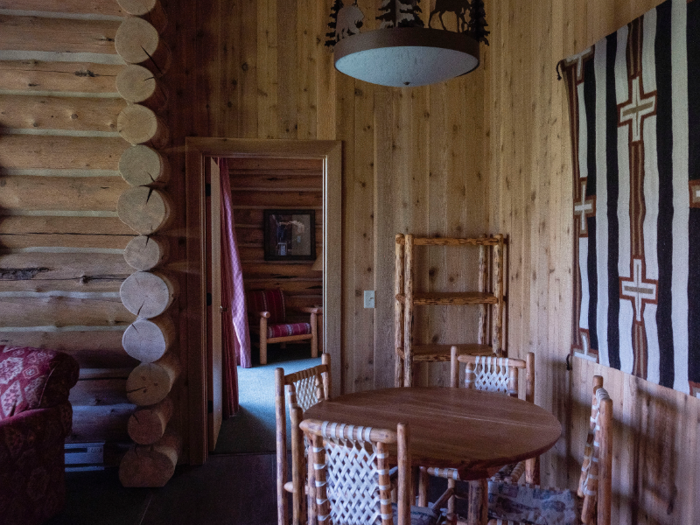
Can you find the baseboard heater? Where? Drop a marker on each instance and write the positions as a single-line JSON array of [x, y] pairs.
[[81, 457]]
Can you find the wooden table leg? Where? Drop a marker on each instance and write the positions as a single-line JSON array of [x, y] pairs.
[[478, 502]]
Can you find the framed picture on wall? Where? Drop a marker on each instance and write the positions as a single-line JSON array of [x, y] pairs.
[[289, 235]]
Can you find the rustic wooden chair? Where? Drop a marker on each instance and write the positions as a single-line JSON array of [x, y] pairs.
[[303, 390], [352, 476], [269, 313], [590, 504], [493, 374]]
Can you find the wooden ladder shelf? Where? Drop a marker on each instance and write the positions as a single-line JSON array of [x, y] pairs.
[[489, 297]]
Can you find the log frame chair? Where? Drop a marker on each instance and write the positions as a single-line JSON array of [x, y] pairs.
[[352, 479], [302, 390], [494, 374], [269, 309], [593, 496]]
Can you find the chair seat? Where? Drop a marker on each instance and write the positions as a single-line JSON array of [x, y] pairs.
[[419, 515], [523, 503], [286, 330]]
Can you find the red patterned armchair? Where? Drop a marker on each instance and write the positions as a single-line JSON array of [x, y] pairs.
[[35, 419], [269, 307]]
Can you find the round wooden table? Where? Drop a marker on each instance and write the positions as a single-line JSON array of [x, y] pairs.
[[469, 430]]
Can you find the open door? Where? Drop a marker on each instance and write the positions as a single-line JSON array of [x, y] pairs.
[[204, 358], [214, 361]]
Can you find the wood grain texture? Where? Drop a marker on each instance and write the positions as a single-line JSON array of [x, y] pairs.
[[48, 225], [60, 113], [112, 423], [94, 392], [443, 429], [61, 193], [90, 242], [30, 33], [529, 169], [62, 311], [147, 424], [61, 243], [77, 269], [97, 7], [64, 77], [56, 152], [489, 151]]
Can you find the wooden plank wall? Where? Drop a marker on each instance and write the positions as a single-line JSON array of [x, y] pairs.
[[61, 243], [412, 158], [258, 184], [656, 476]]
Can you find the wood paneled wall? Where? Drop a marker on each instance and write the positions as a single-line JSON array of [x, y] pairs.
[[61, 243], [258, 184], [412, 158], [655, 466]]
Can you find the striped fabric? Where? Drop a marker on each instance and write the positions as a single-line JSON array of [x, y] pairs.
[[284, 330], [268, 301], [635, 122], [236, 337]]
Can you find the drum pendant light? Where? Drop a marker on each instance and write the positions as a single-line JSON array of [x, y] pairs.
[[402, 52]]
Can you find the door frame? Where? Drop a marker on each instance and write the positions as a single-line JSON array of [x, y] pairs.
[[197, 151]]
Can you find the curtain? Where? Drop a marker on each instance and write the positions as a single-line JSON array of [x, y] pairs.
[[236, 338]]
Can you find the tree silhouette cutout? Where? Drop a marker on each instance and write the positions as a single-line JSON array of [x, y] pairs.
[[411, 12], [388, 16], [400, 14], [477, 22], [332, 37]]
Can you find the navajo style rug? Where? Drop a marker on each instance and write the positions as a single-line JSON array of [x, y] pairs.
[[634, 100]]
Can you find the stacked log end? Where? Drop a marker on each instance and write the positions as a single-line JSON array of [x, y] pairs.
[[138, 85], [145, 208], [145, 252], [151, 465], [147, 294], [139, 125], [138, 42], [149, 339], [147, 424], [150, 383], [141, 166]]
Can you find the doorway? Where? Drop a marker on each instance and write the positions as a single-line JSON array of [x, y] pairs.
[[277, 218], [204, 372]]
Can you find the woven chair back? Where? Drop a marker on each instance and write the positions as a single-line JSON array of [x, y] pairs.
[[308, 387], [598, 434], [351, 470], [495, 374], [303, 390]]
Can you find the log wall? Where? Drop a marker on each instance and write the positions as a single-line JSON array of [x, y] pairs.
[[259, 184], [655, 474], [61, 243]]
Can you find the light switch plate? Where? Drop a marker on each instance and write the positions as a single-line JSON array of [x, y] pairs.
[[369, 298]]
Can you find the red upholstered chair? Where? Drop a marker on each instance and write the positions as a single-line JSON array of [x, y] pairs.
[[268, 306], [35, 419]]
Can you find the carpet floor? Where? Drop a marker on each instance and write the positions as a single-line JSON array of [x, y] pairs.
[[252, 429]]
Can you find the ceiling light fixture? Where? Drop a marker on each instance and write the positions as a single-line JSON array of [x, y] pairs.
[[403, 52]]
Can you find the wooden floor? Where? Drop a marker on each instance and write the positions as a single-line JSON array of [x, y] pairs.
[[229, 489]]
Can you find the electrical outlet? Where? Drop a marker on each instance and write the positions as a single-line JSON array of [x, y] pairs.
[[369, 298]]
